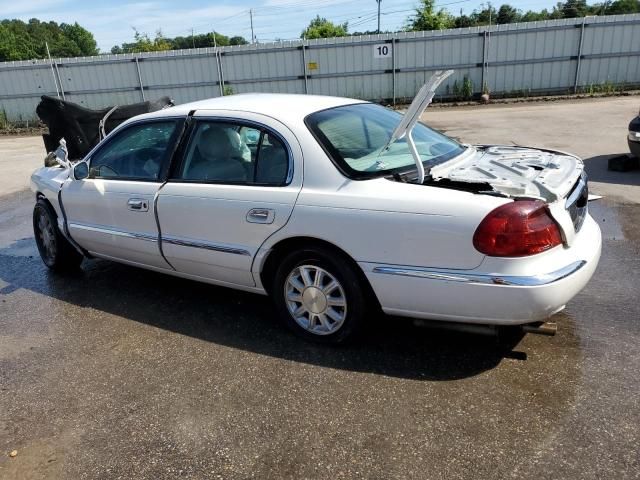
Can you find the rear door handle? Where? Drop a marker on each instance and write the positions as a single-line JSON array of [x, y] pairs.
[[138, 205], [260, 215]]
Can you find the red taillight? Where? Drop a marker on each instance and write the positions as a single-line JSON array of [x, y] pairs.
[[517, 229]]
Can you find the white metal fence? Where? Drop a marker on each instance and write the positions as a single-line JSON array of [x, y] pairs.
[[549, 56]]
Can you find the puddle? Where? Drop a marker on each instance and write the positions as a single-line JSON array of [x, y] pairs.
[[25, 247]]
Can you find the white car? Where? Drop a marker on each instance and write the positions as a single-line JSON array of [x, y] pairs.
[[332, 206]]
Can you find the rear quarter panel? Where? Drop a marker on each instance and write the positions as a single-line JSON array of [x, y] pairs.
[[383, 221]]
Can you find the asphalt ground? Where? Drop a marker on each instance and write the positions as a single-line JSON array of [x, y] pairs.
[[116, 372]]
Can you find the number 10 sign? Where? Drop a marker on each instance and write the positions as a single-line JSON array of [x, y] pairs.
[[382, 50]]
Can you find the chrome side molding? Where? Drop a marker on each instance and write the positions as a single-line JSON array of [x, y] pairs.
[[480, 278], [163, 239], [204, 245], [112, 231]]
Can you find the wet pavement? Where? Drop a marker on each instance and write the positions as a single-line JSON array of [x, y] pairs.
[[116, 372]]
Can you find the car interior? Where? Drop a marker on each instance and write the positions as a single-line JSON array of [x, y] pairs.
[[221, 152]]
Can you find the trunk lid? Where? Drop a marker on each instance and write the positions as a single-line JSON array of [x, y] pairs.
[[517, 172]]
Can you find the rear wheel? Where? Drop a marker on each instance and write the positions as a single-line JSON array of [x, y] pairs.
[[319, 295], [55, 250]]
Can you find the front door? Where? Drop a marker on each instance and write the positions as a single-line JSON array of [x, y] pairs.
[[112, 212], [236, 185]]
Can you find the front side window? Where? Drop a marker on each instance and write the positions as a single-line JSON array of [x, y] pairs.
[[137, 152], [220, 152], [355, 136]]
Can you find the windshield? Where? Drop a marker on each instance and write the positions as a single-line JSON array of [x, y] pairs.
[[355, 135]]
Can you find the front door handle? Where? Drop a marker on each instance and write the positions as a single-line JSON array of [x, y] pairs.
[[260, 215], [138, 205]]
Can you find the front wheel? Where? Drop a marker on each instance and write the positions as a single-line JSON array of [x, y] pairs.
[[55, 250], [319, 295]]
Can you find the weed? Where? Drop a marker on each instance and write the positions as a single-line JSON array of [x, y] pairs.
[[467, 88]]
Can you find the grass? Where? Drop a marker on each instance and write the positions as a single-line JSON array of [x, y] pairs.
[[605, 87], [4, 123]]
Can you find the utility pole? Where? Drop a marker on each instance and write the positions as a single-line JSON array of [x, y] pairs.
[[253, 37], [193, 42], [379, 2], [488, 9]]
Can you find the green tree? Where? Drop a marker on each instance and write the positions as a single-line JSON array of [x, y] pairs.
[[143, 43], [464, 21], [81, 37], [621, 6], [322, 28], [205, 40], [508, 14], [25, 41], [531, 16], [427, 18], [485, 16], [573, 8], [238, 40]]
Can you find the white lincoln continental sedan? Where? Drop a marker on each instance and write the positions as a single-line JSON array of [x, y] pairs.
[[334, 207]]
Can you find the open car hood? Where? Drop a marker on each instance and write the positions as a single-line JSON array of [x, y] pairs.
[[514, 171]]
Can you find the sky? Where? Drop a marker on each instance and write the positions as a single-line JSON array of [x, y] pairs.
[[113, 22]]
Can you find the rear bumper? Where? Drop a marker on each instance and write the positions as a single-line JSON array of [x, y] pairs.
[[482, 296]]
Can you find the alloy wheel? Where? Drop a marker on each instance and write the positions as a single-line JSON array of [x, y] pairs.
[[315, 299], [46, 236]]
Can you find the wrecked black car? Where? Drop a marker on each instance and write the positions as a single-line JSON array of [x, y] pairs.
[[83, 128]]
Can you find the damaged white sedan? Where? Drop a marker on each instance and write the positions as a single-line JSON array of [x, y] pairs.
[[333, 207]]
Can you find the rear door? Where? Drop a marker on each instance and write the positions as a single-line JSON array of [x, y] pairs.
[[112, 212], [236, 185]]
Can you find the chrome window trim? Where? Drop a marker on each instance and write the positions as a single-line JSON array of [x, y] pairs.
[[204, 245], [112, 231], [484, 278]]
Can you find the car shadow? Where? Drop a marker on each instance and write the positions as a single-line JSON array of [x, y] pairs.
[[597, 171], [389, 346]]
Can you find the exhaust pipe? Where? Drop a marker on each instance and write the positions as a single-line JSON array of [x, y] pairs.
[[541, 328]]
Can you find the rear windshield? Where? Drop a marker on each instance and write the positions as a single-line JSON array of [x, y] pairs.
[[355, 135]]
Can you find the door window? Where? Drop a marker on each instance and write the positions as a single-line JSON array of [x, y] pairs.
[[137, 153], [221, 152]]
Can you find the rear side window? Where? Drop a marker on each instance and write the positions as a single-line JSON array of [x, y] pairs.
[[138, 152], [220, 152]]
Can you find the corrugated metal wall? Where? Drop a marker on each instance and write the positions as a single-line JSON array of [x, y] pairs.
[[550, 56]]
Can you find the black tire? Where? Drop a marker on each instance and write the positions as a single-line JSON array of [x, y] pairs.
[[350, 291], [55, 250]]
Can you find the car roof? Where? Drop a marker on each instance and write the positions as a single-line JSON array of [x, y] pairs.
[[286, 107]]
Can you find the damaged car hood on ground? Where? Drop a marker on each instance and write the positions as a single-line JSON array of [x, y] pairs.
[[513, 171]]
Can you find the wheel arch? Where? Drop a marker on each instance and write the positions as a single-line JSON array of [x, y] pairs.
[[285, 246], [56, 209], [61, 222]]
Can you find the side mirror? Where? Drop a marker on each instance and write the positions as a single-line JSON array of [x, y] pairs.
[[81, 171]]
